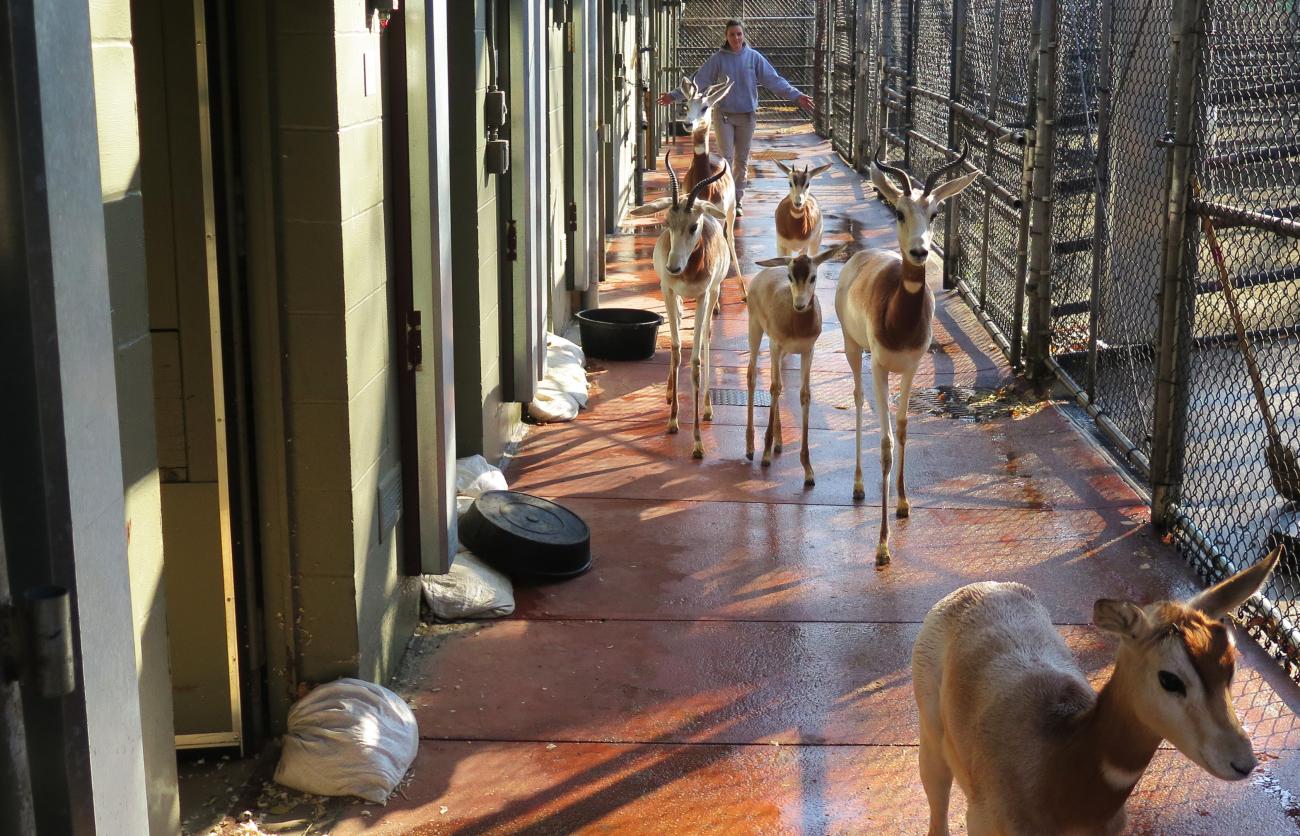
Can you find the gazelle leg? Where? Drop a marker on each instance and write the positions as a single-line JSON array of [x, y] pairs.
[[675, 360], [805, 400], [900, 419], [751, 378], [772, 439], [699, 349], [714, 295], [880, 383], [936, 778], [735, 259], [778, 434], [853, 352]]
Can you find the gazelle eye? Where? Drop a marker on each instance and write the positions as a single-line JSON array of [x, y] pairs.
[[899, 214], [695, 227], [1171, 683]]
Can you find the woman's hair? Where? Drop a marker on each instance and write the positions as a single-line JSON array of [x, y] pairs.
[[727, 28]]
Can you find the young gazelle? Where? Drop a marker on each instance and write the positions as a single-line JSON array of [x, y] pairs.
[[885, 308], [783, 304], [1005, 709], [798, 215], [721, 191], [691, 259]]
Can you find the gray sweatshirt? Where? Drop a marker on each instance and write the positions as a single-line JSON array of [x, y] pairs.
[[747, 69]]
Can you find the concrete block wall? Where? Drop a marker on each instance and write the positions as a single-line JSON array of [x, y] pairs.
[[357, 610], [113, 61]]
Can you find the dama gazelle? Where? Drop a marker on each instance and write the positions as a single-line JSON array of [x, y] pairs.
[[886, 309], [798, 215], [691, 259], [722, 189], [783, 304], [1005, 709]]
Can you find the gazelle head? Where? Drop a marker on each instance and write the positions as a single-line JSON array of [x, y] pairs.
[[1178, 660], [685, 219], [799, 181], [699, 105], [802, 273], [915, 207]]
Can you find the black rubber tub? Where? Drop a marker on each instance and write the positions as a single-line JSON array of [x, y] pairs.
[[619, 333], [527, 536]]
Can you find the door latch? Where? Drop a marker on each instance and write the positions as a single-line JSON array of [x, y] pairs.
[[36, 641]]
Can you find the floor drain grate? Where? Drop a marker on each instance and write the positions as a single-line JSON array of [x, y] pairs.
[[737, 397]]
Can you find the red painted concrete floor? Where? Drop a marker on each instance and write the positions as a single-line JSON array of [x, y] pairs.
[[734, 662]]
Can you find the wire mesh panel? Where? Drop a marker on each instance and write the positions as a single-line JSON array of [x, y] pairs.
[[928, 137], [1110, 187], [843, 75], [782, 30], [1232, 504], [993, 83]]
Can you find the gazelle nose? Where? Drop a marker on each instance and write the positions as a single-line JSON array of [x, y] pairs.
[[918, 253], [1243, 771]]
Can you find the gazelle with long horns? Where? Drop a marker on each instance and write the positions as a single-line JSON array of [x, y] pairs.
[[721, 191], [783, 304], [691, 259], [1006, 711], [886, 309], [799, 215]]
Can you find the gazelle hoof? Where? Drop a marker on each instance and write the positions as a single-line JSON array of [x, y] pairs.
[[749, 454], [672, 428], [882, 555], [904, 510], [809, 481], [698, 452], [859, 494], [767, 461], [708, 414]]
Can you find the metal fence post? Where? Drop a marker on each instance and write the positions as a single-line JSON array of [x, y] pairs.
[[1100, 218], [956, 54], [1175, 325], [913, 32], [1038, 284]]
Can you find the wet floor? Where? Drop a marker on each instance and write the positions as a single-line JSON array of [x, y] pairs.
[[734, 662]]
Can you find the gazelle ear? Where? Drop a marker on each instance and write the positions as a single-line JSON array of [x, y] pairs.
[[827, 255], [779, 261], [1123, 618], [887, 187], [688, 88], [785, 169], [713, 210], [818, 170], [651, 207], [952, 187], [1227, 595]]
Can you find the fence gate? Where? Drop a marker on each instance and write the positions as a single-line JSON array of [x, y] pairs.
[[782, 30]]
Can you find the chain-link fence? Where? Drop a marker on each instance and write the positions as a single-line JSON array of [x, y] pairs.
[[1109, 132], [783, 30]]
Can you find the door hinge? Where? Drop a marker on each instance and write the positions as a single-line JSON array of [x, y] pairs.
[[571, 217], [36, 641], [414, 342], [512, 241]]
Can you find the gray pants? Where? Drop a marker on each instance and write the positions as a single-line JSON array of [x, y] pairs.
[[735, 133]]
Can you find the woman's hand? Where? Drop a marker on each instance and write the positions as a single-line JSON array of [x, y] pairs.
[[806, 102], [665, 98]]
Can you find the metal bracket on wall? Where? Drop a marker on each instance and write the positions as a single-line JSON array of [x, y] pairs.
[[571, 217], [512, 241], [414, 342]]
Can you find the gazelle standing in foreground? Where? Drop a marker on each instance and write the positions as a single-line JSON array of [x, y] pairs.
[[1005, 709], [885, 308], [691, 259], [783, 304], [798, 215], [721, 190]]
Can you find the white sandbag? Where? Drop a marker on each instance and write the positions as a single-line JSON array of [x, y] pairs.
[[474, 476], [563, 391], [472, 589], [348, 737]]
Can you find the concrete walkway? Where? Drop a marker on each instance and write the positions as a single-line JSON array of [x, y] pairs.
[[734, 662]]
